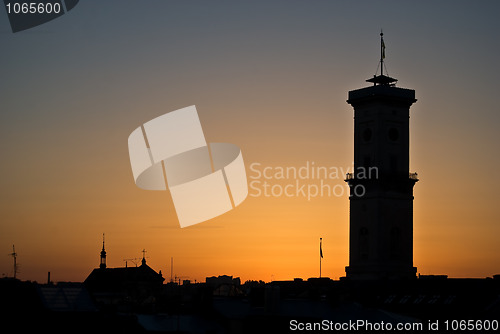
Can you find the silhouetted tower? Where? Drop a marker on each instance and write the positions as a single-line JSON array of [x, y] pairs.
[[102, 265], [381, 187]]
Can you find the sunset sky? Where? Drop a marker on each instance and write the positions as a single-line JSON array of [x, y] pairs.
[[269, 76]]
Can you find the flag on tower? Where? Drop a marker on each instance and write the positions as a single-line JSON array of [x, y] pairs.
[[383, 48], [320, 249]]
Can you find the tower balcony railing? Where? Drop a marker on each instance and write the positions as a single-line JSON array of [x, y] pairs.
[[413, 176]]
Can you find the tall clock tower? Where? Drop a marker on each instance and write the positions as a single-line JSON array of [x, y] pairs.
[[381, 186]]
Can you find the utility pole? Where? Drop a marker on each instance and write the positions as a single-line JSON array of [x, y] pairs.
[[14, 255]]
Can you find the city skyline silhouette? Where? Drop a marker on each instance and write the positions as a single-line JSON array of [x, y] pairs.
[[280, 74]]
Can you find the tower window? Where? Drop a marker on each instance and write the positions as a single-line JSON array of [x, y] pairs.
[[393, 134]]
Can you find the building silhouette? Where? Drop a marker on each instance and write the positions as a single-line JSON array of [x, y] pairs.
[[125, 288], [381, 187]]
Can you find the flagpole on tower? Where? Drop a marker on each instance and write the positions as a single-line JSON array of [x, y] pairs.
[[382, 52]]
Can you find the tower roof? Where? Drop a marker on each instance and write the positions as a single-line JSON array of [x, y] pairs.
[[382, 80], [384, 87], [382, 93], [116, 278]]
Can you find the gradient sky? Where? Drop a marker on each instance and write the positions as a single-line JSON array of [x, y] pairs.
[[269, 76]]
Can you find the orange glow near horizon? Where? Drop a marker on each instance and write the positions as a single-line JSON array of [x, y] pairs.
[[265, 238]]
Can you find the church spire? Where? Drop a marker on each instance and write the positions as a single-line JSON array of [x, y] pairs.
[[103, 255], [143, 262]]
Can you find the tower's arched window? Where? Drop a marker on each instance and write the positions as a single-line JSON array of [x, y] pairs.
[[363, 243]]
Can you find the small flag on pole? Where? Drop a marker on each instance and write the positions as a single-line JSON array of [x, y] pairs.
[[383, 48], [320, 249]]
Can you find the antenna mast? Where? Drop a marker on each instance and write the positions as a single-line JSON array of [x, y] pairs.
[[14, 255]]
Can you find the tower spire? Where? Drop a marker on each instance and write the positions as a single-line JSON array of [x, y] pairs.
[[102, 265], [143, 262]]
